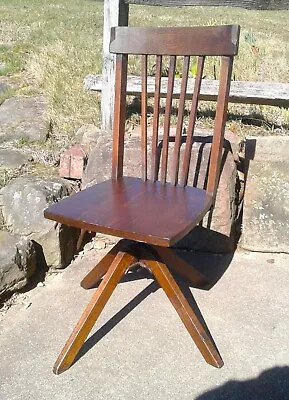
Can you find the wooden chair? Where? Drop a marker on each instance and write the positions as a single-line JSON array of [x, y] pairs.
[[151, 214]]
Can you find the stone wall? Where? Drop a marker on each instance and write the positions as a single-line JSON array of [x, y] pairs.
[[29, 244], [28, 241], [265, 224]]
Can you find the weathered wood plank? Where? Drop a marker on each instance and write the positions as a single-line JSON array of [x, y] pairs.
[[269, 93], [248, 4], [115, 14]]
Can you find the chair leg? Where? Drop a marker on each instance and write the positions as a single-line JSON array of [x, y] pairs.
[[204, 343], [95, 275], [80, 239], [174, 262], [99, 299]]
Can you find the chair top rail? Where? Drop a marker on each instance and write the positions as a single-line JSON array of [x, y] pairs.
[[202, 41]]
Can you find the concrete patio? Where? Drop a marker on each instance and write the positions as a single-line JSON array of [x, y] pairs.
[[139, 348]]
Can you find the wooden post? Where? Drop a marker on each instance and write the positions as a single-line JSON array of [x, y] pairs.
[[115, 14]]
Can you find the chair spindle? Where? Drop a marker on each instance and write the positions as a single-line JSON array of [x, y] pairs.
[[169, 98], [179, 128], [144, 117], [192, 120], [154, 172]]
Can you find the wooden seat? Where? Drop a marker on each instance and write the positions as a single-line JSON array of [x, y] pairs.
[[151, 214], [116, 206]]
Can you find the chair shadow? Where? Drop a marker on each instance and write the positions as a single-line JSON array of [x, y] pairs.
[[271, 384], [221, 263], [113, 321], [212, 265]]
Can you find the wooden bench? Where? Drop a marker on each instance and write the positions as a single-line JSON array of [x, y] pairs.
[[266, 93], [116, 13]]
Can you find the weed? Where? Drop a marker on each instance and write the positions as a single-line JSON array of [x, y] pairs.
[[6, 175], [6, 94], [250, 38], [22, 142]]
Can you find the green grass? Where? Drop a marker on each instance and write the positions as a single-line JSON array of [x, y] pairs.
[[268, 28], [48, 47], [52, 46]]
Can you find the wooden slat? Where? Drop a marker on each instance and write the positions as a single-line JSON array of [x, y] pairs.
[[268, 93], [179, 128], [156, 118], [165, 146], [119, 116], [144, 116], [192, 120], [212, 40], [219, 126], [248, 4]]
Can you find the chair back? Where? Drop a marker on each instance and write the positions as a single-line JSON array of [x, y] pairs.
[[177, 53]]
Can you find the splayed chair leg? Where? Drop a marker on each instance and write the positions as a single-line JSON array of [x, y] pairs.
[[201, 338], [120, 264]]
